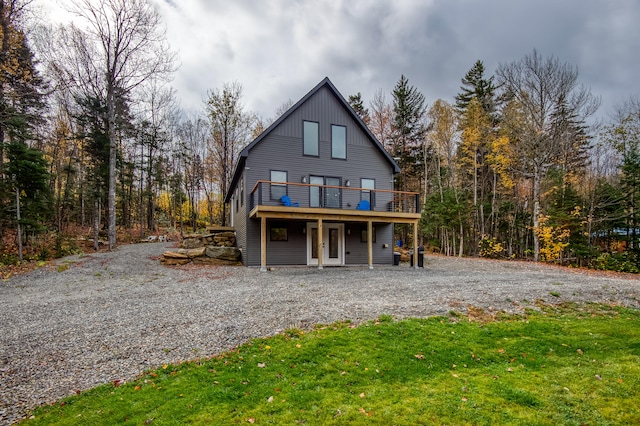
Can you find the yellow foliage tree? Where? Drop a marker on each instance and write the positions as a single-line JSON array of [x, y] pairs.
[[553, 240]]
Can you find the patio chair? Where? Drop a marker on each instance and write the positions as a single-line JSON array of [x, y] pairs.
[[363, 205], [286, 201]]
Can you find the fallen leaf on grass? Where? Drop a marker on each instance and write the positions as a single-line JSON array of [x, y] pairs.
[[419, 356], [362, 395], [251, 420], [579, 351], [261, 365], [363, 411], [270, 399], [598, 377], [464, 399]]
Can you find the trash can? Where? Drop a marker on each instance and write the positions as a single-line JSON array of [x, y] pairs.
[[420, 257], [396, 258]]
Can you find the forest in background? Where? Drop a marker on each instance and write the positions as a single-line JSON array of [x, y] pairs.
[[93, 144]]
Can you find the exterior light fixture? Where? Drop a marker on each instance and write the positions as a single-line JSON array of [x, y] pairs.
[[347, 182], [304, 179]]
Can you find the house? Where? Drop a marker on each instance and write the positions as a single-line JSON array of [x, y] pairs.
[[317, 188]]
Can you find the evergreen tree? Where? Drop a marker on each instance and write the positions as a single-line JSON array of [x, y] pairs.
[[409, 109], [21, 95], [27, 170], [475, 85], [358, 106]]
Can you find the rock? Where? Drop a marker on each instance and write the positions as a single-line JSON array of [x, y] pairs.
[[174, 255], [172, 261], [224, 253], [213, 261], [225, 239], [191, 243], [191, 253]]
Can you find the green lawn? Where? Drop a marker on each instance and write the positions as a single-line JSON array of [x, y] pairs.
[[567, 365]]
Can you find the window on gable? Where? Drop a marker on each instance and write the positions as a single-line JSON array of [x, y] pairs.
[[310, 138], [338, 142], [278, 189]]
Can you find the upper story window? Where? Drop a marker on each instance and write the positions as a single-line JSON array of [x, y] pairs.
[[338, 142], [242, 191], [310, 138], [279, 188]]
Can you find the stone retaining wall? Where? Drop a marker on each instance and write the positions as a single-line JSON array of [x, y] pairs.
[[216, 248]]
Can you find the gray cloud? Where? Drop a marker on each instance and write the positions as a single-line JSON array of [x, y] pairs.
[[279, 49]]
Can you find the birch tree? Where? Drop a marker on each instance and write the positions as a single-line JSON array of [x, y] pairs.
[[539, 87]]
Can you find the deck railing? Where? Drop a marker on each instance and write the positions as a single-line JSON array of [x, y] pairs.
[[307, 195]]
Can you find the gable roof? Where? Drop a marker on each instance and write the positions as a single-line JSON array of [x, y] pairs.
[[324, 83]]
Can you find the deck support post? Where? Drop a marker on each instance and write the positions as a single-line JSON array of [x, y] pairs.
[[263, 244], [320, 243], [370, 243]]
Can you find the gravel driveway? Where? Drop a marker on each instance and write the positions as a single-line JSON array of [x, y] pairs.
[[109, 316]]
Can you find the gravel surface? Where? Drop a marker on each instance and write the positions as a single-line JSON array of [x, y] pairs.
[[110, 316]]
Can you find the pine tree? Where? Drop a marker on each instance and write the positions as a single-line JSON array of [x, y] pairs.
[[358, 106], [409, 109], [475, 85], [21, 97]]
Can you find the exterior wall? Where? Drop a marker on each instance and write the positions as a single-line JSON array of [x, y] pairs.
[[356, 250], [240, 217], [291, 252]]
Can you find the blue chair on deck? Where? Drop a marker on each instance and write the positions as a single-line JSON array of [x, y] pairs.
[[363, 205], [286, 201]]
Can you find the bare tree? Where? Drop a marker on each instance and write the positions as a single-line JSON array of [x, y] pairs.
[[381, 119], [231, 129], [543, 90], [131, 48]]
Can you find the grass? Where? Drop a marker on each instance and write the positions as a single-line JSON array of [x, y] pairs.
[[571, 365]]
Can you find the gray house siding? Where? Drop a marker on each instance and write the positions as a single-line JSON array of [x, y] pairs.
[[356, 250], [291, 252], [240, 217]]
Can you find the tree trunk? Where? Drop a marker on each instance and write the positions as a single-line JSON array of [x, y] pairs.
[[113, 150], [96, 224], [19, 236], [537, 181]]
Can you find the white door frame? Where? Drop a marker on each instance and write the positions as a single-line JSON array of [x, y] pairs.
[[326, 260]]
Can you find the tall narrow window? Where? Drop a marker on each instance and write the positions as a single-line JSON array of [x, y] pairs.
[[310, 138], [367, 193], [278, 187], [242, 192], [338, 142]]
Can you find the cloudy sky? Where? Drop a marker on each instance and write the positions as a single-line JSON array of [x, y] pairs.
[[280, 49]]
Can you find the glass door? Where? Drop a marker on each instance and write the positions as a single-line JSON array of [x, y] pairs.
[[315, 192], [333, 195], [332, 243]]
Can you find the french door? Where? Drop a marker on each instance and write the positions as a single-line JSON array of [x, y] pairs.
[[332, 243], [322, 196]]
